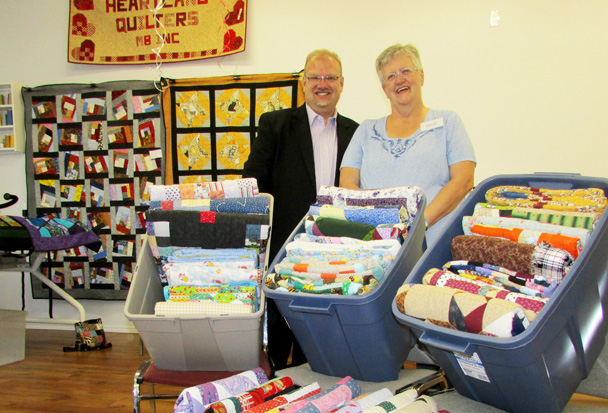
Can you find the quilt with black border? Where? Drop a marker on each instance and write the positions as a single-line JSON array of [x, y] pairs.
[[92, 151]]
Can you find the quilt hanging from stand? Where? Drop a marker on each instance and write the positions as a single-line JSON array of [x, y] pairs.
[[91, 153], [211, 122]]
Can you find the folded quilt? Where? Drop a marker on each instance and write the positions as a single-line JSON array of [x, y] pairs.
[[536, 287], [581, 200], [586, 220], [194, 274], [531, 305], [461, 310], [347, 285], [172, 308], [282, 400], [342, 392], [525, 259], [407, 196], [241, 293], [334, 227], [198, 398], [251, 205], [406, 402], [530, 232], [45, 234], [365, 402], [329, 269], [362, 214], [236, 256], [205, 229], [251, 398], [237, 188], [383, 251]]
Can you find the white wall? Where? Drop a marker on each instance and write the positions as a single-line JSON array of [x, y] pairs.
[[532, 92]]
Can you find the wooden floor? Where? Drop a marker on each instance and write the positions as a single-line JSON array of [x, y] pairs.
[[49, 380]]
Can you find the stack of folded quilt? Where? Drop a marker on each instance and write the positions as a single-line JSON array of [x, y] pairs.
[[252, 392], [349, 241], [210, 253], [516, 250]]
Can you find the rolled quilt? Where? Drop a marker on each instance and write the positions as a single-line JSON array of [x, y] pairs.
[[423, 404], [196, 399], [365, 402], [251, 398], [196, 275], [407, 196], [581, 200], [461, 310], [492, 274], [282, 400], [586, 220], [342, 392], [530, 232], [237, 188], [525, 259], [172, 308], [436, 277], [396, 402]]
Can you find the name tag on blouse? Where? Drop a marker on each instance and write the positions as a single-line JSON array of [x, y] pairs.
[[431, 124]]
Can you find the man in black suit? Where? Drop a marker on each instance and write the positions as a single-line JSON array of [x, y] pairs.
[[295, 152]]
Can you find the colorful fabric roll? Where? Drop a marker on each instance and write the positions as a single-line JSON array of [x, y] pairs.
[[581, 200], [280, 401], [439, 278], [586, 220], [196, 399], [277, 282], [342, 392], [251, 398], [525, 259], [237, 188], [172, 308], [461, 310], [365, 402], [395, 402]]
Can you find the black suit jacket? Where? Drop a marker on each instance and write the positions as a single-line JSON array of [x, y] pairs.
[[282, 161]]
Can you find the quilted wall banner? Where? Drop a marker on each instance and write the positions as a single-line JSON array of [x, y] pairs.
[[152, 31], [92, 152], [210, 123]]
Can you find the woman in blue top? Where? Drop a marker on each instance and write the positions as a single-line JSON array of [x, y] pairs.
[[414, 145]]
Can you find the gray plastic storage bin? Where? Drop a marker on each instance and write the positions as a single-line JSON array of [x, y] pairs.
[[190, 342], [355, 336], [539, 369]]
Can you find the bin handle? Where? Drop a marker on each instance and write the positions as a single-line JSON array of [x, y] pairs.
[[446, 345], [315, 310]]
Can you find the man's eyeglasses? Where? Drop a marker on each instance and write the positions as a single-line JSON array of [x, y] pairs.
[[405, 72], [319, 78]]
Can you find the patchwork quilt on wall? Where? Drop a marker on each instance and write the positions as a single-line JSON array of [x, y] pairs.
[[91, 153], [211, 122]]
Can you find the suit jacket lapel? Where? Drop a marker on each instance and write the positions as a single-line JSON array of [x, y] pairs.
[[301, 132]]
